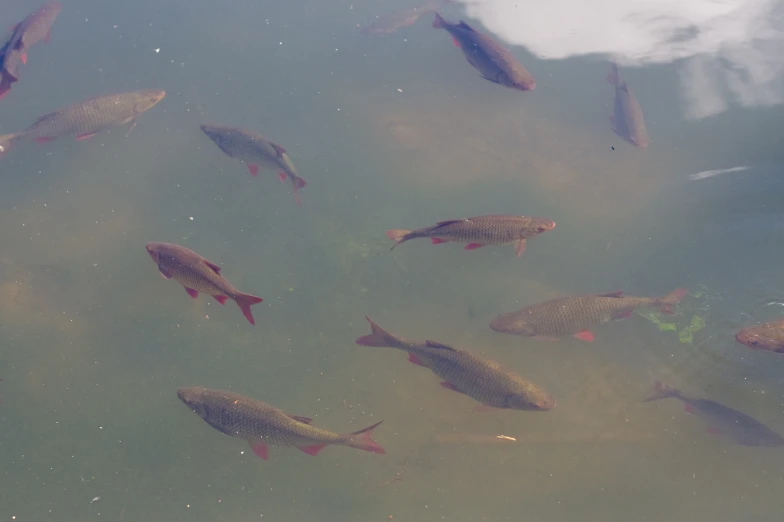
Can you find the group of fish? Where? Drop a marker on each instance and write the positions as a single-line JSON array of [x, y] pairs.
[[487, 382]]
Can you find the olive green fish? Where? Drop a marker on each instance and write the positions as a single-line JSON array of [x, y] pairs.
[[494, 62], [766, 336], [255, 150], [263, 425], [577, 314], [627, 113], [479, 231], [481, 379], [87, 118], [197, 274]]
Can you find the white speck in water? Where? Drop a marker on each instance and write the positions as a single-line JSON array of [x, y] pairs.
[[96, 499], [158, 50]]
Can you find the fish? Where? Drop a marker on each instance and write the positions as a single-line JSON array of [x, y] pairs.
[[390, 23], [481, 379], [262, 425], [197, 274], [710, 173], [479, 231], [255, 150], [575, 315], [34, 28], [87, 118], [766, 336], [627, 113], [738, 426], [494, 62]]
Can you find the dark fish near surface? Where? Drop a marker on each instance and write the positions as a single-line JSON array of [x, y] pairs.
[[197, 274], [263, 425], [31, 30], [87, 118], [390, 23], [766, 336], [576, 315], [479, 231], [494, 62], [255, 150], [481, 379], [740, 427], [627, 113]]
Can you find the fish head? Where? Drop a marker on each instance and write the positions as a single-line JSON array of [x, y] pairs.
[[520, 82], [513, 323], [147, 99], [220, 134], [154, 249], [537, 401], [765, 337], [537, 226], [194, 399]]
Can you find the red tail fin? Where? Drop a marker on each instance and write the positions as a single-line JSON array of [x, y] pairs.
[[361, 440], [378, 337], [668, 301], [298, 184], [245, 301]]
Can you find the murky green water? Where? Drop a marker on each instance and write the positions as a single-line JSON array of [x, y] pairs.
[[393, 131]]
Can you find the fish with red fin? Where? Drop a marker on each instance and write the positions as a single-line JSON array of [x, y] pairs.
[[481, 379], [576, 315], [736, 425], [494, 62], [627, 113], [255, 150], [765, 336], [34, 28], [264, 426], [479, 231], [197, 274], [87, 118]]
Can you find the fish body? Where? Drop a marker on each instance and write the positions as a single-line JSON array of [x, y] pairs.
[[88, 117], [494, 62], [197, 274], [740, 427], [576, 315], [255, 150], [36, 27], [390, 23], [262, 425], [481, 379], [479, 231], [627, 113], [766, 336]]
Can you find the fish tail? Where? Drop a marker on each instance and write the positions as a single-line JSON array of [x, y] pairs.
[[666, 302], [362, 440], [662, 391], [7, 140], [398, 236], [245, 301], [615, 76], [379, 337], [438, 22], [298, 184]]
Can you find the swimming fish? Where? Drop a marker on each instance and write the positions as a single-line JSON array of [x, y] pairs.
[[197, 274], [494, 62], [766, 336], [627, 113], [577, 314], [87, 118], [481, 379], [740, 427], [255, 150], [390, 23], [479, 231], [262, 425]]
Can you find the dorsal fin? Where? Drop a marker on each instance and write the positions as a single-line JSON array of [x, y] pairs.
[[463, 25], [303, 420], [434, 344], [617, 293], [215, 268], [449, 222]]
